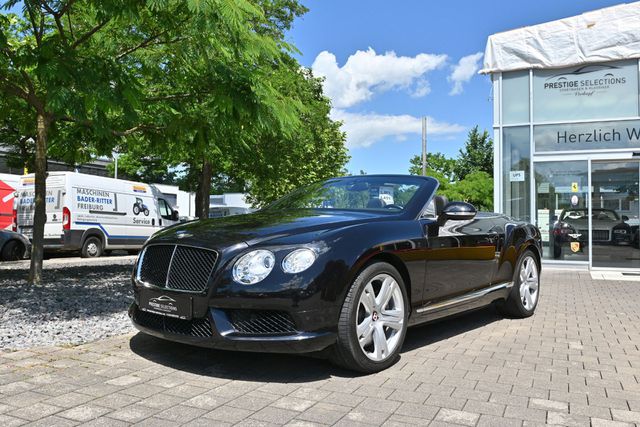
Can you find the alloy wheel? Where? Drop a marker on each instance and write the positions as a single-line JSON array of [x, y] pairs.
[[380, 317], [529, 282]]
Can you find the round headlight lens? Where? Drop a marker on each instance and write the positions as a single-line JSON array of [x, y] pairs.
[[253, 267], [298, 260]]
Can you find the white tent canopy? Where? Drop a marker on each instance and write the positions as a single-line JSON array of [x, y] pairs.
[[603, 35]]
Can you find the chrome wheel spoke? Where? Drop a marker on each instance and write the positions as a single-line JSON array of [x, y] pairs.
[[528, 302], [381, 350], [393, 319], [365, 332], [368, 298], [364, 327], [386, 291]]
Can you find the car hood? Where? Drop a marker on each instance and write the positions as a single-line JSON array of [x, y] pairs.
[[261, 226]]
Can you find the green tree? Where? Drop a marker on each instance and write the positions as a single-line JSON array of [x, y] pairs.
[[94, 73], [477, 154], [467, 178], [281, 161], [476, 188], [436, 162], [17, 132]]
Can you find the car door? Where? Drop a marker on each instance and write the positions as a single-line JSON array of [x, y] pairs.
[[461, 256]]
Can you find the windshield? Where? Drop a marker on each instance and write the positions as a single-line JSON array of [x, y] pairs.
[[390, 194], [598, 215]]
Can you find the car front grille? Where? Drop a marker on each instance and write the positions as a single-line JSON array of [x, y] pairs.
[[261, 322], [177, 267], [597, 235], [199, 328]]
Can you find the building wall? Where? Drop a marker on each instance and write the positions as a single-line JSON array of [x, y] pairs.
[[552, 127]]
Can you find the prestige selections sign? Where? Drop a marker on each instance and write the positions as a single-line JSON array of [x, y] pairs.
[[587, 136], [594, 91]]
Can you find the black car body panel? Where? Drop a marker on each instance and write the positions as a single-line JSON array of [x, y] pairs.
[[7, 236], [447, 268]]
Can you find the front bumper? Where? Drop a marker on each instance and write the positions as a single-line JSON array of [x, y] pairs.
[[214, 330]]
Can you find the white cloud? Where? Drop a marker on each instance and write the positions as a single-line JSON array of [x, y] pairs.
[[367, 72], [364, 130], [463, 71]]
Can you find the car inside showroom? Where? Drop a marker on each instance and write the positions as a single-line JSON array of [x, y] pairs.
[[567, 132]]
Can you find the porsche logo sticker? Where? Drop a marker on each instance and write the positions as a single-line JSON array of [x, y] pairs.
[[575, 246]]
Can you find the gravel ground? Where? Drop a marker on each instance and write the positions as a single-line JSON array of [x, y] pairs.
[[77, 304]]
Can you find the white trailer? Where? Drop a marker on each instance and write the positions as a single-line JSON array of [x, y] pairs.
[[93, 214]]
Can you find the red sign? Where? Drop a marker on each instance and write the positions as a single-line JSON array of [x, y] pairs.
[[6, 204]]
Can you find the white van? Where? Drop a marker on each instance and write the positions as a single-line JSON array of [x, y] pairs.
[[93, 214]]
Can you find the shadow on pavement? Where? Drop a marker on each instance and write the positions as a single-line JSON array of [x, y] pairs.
[[286, 368], [440, 330]]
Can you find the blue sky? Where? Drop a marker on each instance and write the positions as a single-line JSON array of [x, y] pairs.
[[387, 63]]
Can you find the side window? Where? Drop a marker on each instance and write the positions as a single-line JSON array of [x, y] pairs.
[[165, 211]]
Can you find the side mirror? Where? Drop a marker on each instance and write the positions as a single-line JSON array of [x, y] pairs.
[[457, 211], [175, 215], [625, 218]]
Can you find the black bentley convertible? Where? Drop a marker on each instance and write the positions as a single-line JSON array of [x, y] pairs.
[[343, 266]]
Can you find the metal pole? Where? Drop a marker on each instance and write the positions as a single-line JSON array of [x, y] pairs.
[[116, 167], [424, 146]]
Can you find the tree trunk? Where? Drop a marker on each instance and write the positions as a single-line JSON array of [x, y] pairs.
[[40, 215], [204, 190]]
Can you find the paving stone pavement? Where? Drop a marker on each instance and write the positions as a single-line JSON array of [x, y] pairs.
[[576, 362]]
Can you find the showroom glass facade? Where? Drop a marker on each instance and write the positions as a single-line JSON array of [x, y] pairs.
[[567, 146]]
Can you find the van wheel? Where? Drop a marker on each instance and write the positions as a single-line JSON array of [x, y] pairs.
[[13, 251], [92, 248]]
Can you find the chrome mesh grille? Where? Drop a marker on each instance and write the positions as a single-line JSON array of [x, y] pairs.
[[154, 263], [596, 235], [261, 322], [200, 328], [181, 268]]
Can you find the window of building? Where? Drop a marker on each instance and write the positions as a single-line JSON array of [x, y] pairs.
[[515, 97], [561, 209], [516, 154]]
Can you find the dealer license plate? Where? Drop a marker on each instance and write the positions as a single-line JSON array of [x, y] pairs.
[[170, 305]]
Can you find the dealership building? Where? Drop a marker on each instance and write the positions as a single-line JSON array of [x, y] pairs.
[[567, 134]]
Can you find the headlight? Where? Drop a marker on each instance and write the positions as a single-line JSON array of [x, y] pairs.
[[620, 231], [298, 261], [253, 267]]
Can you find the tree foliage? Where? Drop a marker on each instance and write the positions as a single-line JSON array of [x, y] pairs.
[[436, 162], [476, 155], [196, 83], [469, 177]]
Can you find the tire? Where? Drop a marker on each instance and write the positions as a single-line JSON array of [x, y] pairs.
[[383, 321], [13, 250], [557, 251], [92, 248], [526, 281], [136, 210]]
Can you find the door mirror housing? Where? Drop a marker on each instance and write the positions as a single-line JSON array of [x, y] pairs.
[[457, 211], [625, 218], [175, 215]]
